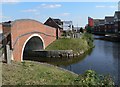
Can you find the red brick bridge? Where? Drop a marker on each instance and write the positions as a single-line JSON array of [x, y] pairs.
[[27, 34]]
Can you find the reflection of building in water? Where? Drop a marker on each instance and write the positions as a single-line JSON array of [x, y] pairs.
[[116, 54]]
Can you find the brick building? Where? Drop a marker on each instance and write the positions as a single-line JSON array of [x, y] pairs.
[[117, 22], [90, 22], [109, 24]]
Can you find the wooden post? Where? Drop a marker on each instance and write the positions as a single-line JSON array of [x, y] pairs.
[[57, 35]]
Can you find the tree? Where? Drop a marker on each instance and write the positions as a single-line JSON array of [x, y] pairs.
[[81, 30], [89, 29]]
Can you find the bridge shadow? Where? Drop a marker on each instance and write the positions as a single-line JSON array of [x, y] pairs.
[[33, 44], [61, 61]]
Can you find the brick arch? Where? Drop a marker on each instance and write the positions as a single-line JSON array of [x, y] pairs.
[[33, 35], [22, 30]]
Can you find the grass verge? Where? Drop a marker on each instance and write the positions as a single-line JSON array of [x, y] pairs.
[[35, 73]]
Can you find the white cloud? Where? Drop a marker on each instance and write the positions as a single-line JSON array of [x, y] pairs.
[[112, 6], [29, 10], [100, 6], [65, 14], [51, 5], [9, 1]]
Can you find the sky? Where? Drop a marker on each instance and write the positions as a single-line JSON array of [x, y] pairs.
[[77, 12]]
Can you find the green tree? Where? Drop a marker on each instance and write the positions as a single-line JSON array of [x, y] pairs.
[[81, 30]]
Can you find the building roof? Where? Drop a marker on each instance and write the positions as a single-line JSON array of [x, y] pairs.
[[57, 23], [118, 14], [109, 19]]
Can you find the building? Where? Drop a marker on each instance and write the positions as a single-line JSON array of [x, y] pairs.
[[90, 22], [56, 23], [109, 24], [101, 27], [67, 25], [0, 28], [117, 22]]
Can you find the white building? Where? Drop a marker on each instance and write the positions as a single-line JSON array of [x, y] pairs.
[[67, 25]]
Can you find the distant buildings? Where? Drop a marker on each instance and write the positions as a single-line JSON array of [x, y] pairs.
[[67, 25], [56, 23], [117, 21], [61, 25], [90, 22], [0, 28], [108, 25]]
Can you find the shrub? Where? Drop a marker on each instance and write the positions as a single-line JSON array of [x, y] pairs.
[[90, 78]]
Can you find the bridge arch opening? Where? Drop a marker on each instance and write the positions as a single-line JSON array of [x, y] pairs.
[[34, 43]]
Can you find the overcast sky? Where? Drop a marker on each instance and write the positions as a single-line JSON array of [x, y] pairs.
[[77, 12]]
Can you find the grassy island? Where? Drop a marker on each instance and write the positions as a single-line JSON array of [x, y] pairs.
[[76, 44]]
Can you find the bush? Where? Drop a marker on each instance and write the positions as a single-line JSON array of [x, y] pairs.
[[90, 78], [89, 38]]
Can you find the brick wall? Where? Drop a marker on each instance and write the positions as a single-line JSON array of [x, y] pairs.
[[21, 30]]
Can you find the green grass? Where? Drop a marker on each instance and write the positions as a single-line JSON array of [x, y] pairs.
[[30, 73], [75, 44], [35, 73]]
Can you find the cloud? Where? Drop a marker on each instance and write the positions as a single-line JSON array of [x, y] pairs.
[[9, 1], [65, 14], [29, 10], [112, 6], [51, 5], [100, 6], [103, 6]]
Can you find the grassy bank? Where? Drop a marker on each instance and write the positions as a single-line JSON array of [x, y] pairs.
[[75, 44], [29, 73], [35, 73]]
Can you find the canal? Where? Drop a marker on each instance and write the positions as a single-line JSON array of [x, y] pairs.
[[104, 59]]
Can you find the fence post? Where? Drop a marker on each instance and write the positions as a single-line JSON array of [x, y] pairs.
[[8, 54]]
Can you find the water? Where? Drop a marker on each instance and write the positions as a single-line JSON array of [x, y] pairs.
[[104, 59]]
